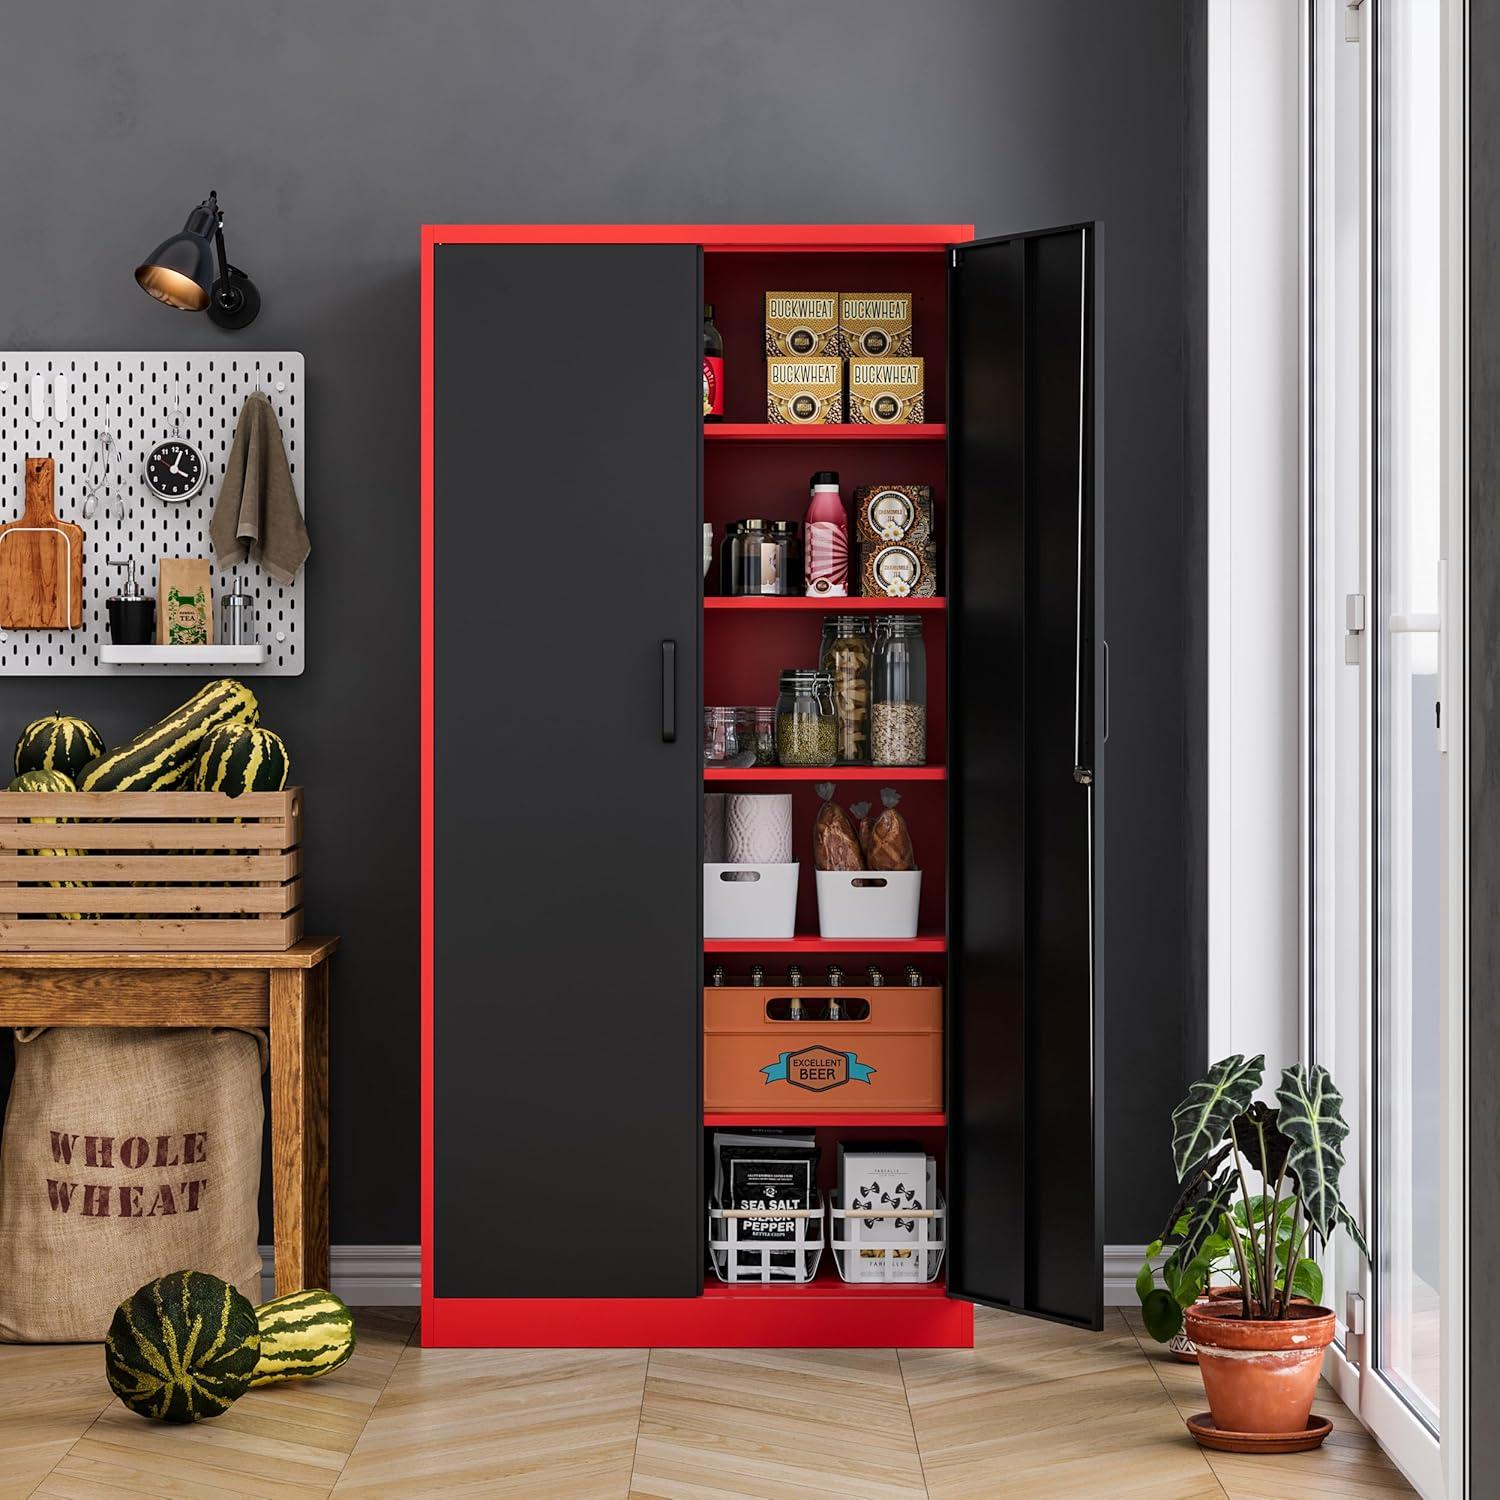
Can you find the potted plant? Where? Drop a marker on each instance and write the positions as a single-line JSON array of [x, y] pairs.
[[1213, 1273], [1260, 1182]]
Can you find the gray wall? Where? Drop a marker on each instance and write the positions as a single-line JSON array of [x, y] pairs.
[[332, 131]]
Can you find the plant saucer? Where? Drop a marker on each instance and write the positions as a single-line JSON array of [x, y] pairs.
[[1202, 1427]]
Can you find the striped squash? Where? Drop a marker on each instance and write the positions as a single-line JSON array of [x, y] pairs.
[[182, 1348], [50, 781], [302, 1335], [57, 743], [162, 756], [240, 758]]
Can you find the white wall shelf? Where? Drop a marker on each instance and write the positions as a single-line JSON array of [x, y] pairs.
[[253, 655]]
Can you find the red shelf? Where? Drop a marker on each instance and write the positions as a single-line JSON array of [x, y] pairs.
[[826, 1284], [928, 943], [910, 1120], [824, 432], [826, 773], [749, 603]]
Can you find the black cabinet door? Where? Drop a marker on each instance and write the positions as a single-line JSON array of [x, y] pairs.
[[1026, 694], [567, 845]]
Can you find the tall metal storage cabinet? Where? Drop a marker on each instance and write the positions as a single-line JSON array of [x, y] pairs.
[[568, 649]]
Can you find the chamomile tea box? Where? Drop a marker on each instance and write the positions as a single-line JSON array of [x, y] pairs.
[[802, 325], [802, 391], [886, 391], [873, 325]]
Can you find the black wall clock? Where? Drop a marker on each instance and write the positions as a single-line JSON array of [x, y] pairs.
[[175, 471]]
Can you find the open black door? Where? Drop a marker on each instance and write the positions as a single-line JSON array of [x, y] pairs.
[[1026, 695], [567, 841]]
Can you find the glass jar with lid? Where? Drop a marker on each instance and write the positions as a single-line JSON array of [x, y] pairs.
[[756, 732], [898, 692], [720, 735], [806, 726], [845, 655]]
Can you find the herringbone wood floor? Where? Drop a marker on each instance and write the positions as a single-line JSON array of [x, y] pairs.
[[1033, 1411]]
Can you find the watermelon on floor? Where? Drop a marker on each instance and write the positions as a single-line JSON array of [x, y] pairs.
[[183, 1348]]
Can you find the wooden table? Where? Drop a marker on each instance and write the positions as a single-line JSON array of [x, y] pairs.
[[286, 992]]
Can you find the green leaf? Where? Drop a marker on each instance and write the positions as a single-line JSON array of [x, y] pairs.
[[1311, 1114], [1193, 1187], [1161, 1315], [1307, 1281], [1145, 1280], [1202, 1220], [1201, 1121], [1263, 1146], [1351, 1225]]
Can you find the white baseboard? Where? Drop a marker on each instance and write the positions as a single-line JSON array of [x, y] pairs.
[[364, 1275], [391, 1275]]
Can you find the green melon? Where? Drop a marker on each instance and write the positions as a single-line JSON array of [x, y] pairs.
[[58, 742], [50, 781], [162, 756], [240, 758], [183, 1348], [302, 1335]]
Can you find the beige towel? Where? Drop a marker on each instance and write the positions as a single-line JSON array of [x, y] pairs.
[[257, 512]]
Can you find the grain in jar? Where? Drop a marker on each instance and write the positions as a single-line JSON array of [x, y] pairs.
[[845, 656], [806, 727], [898, 691]]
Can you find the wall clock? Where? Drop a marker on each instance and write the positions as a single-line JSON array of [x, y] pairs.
[[175, 470]]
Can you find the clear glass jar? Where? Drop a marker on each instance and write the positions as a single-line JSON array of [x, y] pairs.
[[845, 655], [756, 729], [721, 740], [898, 692], [806, 726]]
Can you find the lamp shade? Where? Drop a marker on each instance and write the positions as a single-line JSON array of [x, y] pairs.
[[180, 271]]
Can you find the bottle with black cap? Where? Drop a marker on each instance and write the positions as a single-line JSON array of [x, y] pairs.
[[132, 616]]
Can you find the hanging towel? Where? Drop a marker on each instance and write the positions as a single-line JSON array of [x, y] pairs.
[[257, 512]]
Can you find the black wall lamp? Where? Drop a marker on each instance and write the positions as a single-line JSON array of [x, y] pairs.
[[180, 271]]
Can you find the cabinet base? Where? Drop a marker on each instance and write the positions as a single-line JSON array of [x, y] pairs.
[[722, 1318]]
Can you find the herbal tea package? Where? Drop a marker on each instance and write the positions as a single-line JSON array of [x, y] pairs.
[[184, 602]]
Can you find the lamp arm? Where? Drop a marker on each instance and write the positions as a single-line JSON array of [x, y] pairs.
[[218, 220]]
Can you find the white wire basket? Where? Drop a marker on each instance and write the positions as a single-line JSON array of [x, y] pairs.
[[792, 1259], [863, 1257]]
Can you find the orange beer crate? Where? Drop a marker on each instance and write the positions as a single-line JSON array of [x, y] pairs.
[[885, 1052], [150, 872]]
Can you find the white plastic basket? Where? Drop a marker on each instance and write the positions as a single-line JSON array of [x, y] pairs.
[[800, 1253], [749, 901], [860, 1260], [868, 903]]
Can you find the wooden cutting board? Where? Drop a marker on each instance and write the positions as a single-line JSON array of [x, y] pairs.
[[41, 561]]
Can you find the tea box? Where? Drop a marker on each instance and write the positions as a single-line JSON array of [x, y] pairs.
[[898, 570], [893, 513]]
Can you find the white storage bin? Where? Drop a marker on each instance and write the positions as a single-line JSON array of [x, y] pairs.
[[736, 1259], [868, 903], [919, 1259], [749, 901]]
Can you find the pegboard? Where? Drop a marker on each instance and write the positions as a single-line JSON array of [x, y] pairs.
[[132, 395]]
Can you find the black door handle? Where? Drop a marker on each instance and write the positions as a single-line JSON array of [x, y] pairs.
[[668, 691]]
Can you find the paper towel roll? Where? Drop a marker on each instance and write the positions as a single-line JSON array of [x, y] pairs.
[[713, 827], [758, 829]]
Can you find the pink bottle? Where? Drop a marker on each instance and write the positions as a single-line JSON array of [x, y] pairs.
[[825, 539]]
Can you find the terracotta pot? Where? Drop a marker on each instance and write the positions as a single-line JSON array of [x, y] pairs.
[[1260, 1377]]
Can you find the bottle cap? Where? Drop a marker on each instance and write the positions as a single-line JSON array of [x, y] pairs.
[[825, 477], [708, 312]]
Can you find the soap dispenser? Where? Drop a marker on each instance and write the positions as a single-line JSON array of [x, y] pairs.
[[132, 616]]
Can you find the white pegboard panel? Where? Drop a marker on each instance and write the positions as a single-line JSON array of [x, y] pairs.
[[132, 395]]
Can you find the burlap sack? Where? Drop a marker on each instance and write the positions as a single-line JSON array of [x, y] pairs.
[[127, 1153]]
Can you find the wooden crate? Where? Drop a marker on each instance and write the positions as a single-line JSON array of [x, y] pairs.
[[164, 871]]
